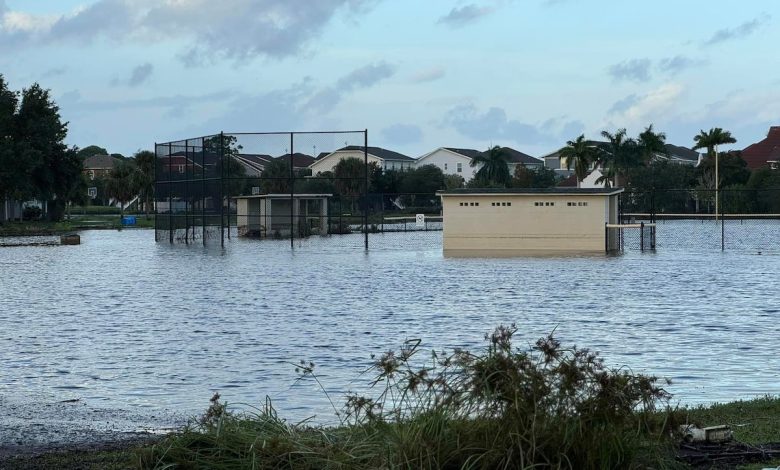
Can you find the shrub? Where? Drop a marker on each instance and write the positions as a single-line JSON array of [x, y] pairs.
[[31, 213], [547, 407]]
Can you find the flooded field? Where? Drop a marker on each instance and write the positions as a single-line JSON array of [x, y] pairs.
[[120, 322]]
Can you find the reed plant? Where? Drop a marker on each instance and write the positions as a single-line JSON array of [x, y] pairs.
[[543, 406]]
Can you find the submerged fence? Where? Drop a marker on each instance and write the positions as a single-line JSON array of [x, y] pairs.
[[705, 219], [293, 185]]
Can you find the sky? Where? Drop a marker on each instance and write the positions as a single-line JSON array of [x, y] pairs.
[[418, 74]]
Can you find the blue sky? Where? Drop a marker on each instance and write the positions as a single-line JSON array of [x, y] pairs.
[[529, 74]]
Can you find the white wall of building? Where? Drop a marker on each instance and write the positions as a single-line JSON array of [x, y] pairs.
[[449, 162]]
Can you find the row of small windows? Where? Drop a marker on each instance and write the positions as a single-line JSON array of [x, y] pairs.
[[537, 204]]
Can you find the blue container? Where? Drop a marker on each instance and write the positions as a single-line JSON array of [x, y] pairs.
[[128, 220]]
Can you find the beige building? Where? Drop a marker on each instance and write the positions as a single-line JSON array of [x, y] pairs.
[[551, 220], [268, 215]]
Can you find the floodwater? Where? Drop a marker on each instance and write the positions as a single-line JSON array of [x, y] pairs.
[[120, 322]]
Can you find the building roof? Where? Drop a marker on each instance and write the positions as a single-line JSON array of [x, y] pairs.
[[569, 182], [384, 154], [683, 153], [471, 153], [100, 162], [515, 156], [300, 160], [758, 154], [256, 157], [557, 190]]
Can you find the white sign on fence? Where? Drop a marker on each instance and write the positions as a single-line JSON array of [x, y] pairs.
[[420, 220], [92, 192]]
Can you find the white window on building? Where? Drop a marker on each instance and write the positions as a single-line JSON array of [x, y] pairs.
[[91, 174], [181, 168], [460, 167], [445, 167]]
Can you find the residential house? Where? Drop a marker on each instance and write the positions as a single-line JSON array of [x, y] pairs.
[[254, 164], [679, 155], [457, 161], [99, 166], [385, 159], [765, 153], [451, 161]]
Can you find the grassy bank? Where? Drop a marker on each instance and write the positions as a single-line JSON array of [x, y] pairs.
[[75, 223], [503, 407]]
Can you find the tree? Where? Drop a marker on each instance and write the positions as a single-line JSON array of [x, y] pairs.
[[120, 184], [651, 144], [453, 181], [580, 154], [91, 151], [40, 143], [534, 178], [349, 176], [710, 140], [276, 177], [493, 167], [144, 176], [10, 174], [618, 157]]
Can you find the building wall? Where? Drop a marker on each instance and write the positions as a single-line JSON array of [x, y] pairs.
[[527, 222], [330, 162], [448, 162]]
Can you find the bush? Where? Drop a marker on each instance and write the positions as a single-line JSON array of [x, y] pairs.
[[505, 408], [32, 213]]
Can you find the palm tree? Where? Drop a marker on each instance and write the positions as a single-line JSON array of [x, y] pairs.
[[121, 186], [580, 154], [618, 157], [710, 140], [493, 166], [144, 177], [651, 144]]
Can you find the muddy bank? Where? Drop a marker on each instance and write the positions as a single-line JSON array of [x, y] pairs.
[[29, 428]]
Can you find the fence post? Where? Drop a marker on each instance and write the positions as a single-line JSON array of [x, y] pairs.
[[170, 193], [641, 236], [722, 229], [223, 164], [156, 192], [292, 192], [365, 194], [606, 238], [186, 193]]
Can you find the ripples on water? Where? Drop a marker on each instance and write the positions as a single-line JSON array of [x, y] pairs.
[[120, 321]]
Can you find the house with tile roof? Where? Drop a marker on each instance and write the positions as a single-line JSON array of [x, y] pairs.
[[765, 153], [385, 159]]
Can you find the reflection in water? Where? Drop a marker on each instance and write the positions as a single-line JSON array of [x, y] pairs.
[[122, 322]]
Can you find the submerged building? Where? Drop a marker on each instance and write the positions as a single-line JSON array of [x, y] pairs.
[[550, 220], [271, 215]]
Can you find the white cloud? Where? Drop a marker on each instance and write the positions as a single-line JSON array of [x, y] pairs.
[[649, 107]]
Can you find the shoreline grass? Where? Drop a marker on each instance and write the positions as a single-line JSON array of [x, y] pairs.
[[503, 407], [76, 223]]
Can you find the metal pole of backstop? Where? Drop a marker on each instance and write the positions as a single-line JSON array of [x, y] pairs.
[[292, 191], [223, 164], [186, 193], [365, 191], [170, 193], [203, 189], [156, 192]]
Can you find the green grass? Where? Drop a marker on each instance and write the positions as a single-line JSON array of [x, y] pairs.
[[76, 222], [753, 422], [501, 408], [82, 460]]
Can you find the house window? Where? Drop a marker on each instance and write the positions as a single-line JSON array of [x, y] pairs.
[[181, 168], [508, 204], [445, 167], [91, 174], [460, 167]]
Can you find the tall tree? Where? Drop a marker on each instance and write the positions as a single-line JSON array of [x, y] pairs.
[[580, 154], [276, 177], [493, 167], [710, 140], [121, 184], [10, 176], [144, 177], [651, 143], [91, 151], [40, 144], [618, 157]]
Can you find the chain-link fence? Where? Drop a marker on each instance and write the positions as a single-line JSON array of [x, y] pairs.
[[298, 187], [705, 219]]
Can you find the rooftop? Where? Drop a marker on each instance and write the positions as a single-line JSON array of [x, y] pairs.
[[557, 190], [758, 154]]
